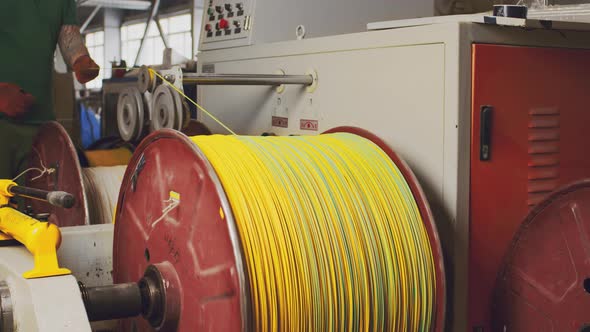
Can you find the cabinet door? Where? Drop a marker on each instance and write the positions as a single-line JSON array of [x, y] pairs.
[[530, 135]]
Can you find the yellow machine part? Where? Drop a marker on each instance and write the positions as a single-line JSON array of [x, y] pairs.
[[42, 239], [114, 157]]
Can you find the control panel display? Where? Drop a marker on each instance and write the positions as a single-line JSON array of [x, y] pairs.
[[225, 20]]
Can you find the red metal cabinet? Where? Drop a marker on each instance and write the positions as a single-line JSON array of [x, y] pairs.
[[539, 134]]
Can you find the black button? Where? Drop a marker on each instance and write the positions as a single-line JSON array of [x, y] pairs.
[[227, 32], [240, 12], [220, 17], [237, 30], [211, 18], [218, 33], [230, 14], [209, 34]]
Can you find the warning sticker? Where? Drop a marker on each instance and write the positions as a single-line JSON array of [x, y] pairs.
[[279, 121], [308, 125]]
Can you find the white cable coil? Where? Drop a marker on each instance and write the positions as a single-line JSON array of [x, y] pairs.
[[101, 186]]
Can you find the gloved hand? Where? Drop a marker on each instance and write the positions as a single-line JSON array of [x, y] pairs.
[[85, 68], [14, 102]]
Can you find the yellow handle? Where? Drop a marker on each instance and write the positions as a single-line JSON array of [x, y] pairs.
[[5, 192], [41, 238]]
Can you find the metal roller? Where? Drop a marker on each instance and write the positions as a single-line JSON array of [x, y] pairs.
[[132, 114], [195, 247], [247, 79]]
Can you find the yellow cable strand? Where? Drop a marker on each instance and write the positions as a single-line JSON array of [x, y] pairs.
[[332, 237], [192, 101]]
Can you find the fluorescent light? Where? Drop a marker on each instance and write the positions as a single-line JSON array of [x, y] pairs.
[[119, 4]]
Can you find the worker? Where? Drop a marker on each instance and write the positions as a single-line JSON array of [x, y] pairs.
[[29, 33]]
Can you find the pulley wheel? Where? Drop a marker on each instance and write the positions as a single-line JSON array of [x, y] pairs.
[[180, 110], [146, 81], [130, 114], [166, 109], [544, 284], [54, 149], [197, 238]]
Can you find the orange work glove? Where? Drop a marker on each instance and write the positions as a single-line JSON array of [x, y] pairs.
[[14, 102], [85, 68]]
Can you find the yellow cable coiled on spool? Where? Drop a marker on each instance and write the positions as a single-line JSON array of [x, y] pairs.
[[332, 237]]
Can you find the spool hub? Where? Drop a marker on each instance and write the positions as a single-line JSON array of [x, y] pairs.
[[544, 284], [53, 148], [198, 239]]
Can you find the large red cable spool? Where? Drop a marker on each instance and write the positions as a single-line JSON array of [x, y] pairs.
[[196, 247], [54, 149], [544, 284]]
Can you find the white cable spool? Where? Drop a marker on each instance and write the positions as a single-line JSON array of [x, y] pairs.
[[132, 111], [101, 186], [167, 110]]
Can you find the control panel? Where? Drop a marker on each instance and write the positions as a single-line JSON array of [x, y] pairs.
[[225, 20]]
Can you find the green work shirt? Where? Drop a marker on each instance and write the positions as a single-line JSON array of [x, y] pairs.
[[28, 36]]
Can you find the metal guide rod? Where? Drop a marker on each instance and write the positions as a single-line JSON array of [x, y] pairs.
[[55, 198], [247, 79]]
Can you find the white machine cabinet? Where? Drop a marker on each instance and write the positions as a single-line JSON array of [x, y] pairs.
[[409, 82], [233, 23]]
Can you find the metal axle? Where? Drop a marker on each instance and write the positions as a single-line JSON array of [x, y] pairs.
[[148, 81], [146, 298], [247, 79], [112, 302]]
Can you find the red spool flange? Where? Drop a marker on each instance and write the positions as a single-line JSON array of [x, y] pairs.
[[53, 148], [544, 284], [198, 238]]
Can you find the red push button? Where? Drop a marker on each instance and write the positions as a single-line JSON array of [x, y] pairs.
[[223, 24]]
